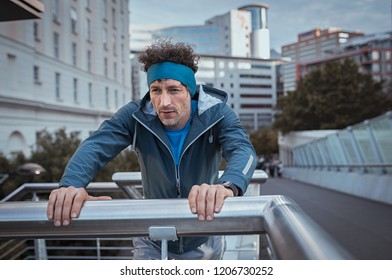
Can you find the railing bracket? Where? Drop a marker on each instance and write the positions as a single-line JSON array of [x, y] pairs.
[[163, 234]]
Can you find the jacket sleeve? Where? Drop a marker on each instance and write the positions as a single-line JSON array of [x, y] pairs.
[[113, 136], [237, 150]]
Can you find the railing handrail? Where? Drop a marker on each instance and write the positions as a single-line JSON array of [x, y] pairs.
[[48, 187], [294, 235], [122, 180]]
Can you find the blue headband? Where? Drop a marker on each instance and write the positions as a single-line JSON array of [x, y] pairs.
[[174, 71]]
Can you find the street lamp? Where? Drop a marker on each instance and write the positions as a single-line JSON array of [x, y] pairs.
[[26, 169]]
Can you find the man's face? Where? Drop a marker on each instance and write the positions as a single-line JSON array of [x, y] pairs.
[[172, 103]]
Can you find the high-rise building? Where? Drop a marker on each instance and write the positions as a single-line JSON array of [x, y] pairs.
[[260, 37], [371, 52], [241, 32], [70, 69], [311, 45]]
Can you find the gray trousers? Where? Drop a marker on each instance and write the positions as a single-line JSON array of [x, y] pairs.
[[146, 249]]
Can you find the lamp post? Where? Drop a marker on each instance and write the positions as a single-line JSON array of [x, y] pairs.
[[27, 169]]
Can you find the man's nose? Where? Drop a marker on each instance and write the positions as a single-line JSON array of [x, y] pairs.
[[165, 98]]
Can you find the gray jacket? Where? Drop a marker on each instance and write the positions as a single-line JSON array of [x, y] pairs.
[[215, 131]]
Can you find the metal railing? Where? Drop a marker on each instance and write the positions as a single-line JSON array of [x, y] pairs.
[[285, 231], [291, 233]]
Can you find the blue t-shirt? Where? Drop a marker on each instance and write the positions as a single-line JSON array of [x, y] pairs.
[[177, 137]]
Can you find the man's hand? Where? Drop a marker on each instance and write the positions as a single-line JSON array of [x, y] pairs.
[[205, 200], [65, 203]]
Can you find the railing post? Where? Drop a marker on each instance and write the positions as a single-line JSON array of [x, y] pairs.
[[40, 250]]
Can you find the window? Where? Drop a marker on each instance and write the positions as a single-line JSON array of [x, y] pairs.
[[55, 10], [106, 66], [36, 74], [104, 10], [114, 45], [56, 45], [36, 31], [89, 60], [115, 70], [116, 99], [107, 97], [90, 94], [114, 18], [74, 54], [75, 90], [74, 20], [57, 85], [105, 38], [88, 29]]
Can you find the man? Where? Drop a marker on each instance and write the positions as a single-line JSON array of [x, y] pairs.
[[179, 131]]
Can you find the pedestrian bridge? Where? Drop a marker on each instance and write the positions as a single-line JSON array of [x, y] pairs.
[[356, 160]]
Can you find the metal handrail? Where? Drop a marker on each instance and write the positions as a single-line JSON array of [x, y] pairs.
[[293, 234], [128, 182], [101, 187]]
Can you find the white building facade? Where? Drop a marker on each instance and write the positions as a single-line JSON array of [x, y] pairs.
[[70, 69]]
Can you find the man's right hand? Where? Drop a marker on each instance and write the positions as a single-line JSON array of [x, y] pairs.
[[65, 204]]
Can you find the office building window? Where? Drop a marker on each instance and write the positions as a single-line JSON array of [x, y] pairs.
[[74, 20], [57, 85], [56, 45], [74, 54], [75, 90]]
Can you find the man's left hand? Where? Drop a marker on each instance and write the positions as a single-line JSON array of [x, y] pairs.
[[206, 200]]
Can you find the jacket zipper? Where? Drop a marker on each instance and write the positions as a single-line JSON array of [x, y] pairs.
[[177, 168]]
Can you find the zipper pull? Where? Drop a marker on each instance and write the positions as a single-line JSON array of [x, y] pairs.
[[178, 188]]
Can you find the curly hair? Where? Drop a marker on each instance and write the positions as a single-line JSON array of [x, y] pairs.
[[164, 50]]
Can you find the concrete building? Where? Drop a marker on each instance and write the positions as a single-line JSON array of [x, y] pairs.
[[315, 44], [70, 70]]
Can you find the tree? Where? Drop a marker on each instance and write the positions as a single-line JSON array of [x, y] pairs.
[[265, 141], [53, 151], [334, 97]]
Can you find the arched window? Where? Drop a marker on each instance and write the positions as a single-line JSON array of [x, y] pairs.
[[16, 143]]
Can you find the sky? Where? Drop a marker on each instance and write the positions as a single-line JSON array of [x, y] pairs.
[[287, 18]]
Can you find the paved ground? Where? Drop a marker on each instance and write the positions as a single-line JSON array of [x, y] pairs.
[[363, 227]]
